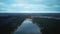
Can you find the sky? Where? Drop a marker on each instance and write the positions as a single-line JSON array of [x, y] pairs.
[[29, 6]]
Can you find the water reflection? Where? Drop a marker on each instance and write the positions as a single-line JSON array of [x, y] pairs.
[[27, 27]]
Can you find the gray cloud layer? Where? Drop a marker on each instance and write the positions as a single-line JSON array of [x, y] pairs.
[[29, 5]]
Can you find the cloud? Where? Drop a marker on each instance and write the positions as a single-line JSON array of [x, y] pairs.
[[1, 3], [29, 6], [30, 12]]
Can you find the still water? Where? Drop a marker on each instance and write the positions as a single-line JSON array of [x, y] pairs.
[[27, 27]]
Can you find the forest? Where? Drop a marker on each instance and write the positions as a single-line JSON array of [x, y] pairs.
[[10, 22]]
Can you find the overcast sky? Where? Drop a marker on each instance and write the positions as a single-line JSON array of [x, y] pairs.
[[30, 6]]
